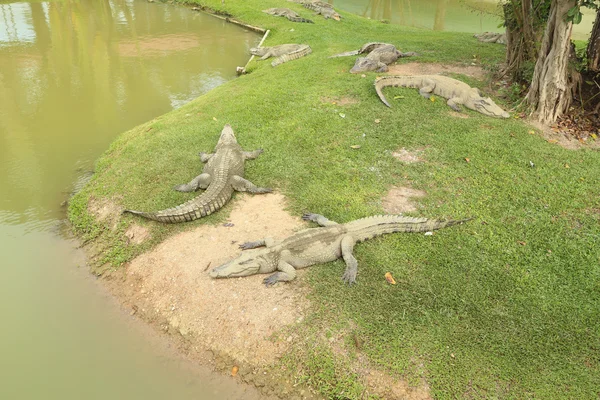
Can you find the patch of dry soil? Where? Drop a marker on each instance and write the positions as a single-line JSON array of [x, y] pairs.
[[408, 156], [399, 200], [342, 101], [136, 234], [232, 317], [414, 68]]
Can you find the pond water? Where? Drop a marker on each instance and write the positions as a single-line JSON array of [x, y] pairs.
[[73, 75], [473, 16]]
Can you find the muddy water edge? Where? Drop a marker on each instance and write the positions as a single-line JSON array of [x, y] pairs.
[[73, 75]]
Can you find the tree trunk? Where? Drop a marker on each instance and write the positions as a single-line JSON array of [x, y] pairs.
[[593, 49], [549, 95], [520, 37]]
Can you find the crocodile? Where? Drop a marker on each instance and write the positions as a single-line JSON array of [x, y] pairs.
[[455, 91], [366, 48], [322, 8], [222, 174], [491, 37], [379, 56], [287, 13], [319, 245], [283, 52]]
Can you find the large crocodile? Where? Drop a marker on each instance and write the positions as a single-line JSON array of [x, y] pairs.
[[319, 245], [491, 37], [379, 56], [222, 174], [287, 13], [322, 8], [283, 52], [455, 91]]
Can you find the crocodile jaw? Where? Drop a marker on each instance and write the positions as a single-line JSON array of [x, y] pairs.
[[244, 265], [488, 107]]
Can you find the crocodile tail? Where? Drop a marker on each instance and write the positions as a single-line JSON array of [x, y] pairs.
[[385, 81], [346, 54], [292, 56], [299, 19], [379, 85], [367, 228], [149, 215]]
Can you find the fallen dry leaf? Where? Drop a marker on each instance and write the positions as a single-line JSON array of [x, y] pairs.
[[567, 166], [552, 141], [467, 159], [234, 370], [521, 242], [531, 132], [355, 146], [390, 278], [377, 121], [432, 98], [215, 119]]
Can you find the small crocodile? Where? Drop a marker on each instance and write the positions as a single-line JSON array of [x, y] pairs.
[[222, 174], [319, 245], [379, 56], [322, 8], [455, 91], [491, 37], [366, 48], [287, 13], [283, 52]]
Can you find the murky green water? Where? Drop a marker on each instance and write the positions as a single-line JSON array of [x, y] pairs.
[[445, 15], [73, 75]]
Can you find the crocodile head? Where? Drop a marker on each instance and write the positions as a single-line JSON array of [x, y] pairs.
[[258, 51], [364, 64], [227, 136], [486, 106], [248, 263]]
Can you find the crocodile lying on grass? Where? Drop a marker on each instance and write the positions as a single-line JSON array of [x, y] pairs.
[[379, 56], [319, 245], [491, 37], [287, 13], [455, 91], [283, 52], [222, 174], [324, 9]]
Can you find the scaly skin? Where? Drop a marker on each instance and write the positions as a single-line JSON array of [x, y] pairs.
[[378, 59], [301, 52], [319, 245], [366, 48], [325, 9], [287, 13], [276, 51], [455, 91], [222, 174]]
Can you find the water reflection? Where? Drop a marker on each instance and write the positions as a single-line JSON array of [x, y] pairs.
[[73, 74]]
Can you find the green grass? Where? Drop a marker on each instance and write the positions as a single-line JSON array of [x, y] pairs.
[[506, 306]]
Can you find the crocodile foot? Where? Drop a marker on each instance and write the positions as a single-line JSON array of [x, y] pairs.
[[349, 277], [271, 280]]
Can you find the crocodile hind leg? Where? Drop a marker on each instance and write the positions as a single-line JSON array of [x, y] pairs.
[[347, 245], [319, 219], [286, 272], [200, 182], [266, 55], [243, 185], [267, 242], [251, 155], [428, 87], [453, 103]]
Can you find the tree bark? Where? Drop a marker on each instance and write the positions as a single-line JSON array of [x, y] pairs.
[[549, 95], [593, 49], [520, 37]]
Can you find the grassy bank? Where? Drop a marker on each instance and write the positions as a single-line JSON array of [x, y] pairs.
[[506, 306]]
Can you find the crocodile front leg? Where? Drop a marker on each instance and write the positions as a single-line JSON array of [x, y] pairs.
[[266, 55], [453, 103], [251, 155], [428, 86], [347, 245], [243, 185], [204, 157], [319, 219], [267, 242], [200, 182], [286, 272]]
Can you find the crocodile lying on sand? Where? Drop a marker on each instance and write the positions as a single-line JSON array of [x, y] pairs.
[[283, 52], [222, 174], [491, 37], [319, 245], [287, 13], [455, 91], [325, 9], [379, 56]]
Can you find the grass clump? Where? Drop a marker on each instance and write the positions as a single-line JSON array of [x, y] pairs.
[[506, 306]]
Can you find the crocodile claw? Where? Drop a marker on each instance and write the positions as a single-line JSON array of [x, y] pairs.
[[349, 277], [309, 216], [270, 280]]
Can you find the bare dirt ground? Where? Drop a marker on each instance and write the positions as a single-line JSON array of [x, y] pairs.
[[414, 68], [400, 200]]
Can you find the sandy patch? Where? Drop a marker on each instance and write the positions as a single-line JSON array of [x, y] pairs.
[[387, 387], [408, 156], [414, 68], [399, 200], [136, 234], [233, 317], [341, 101], [105, 210], [562, 139]]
